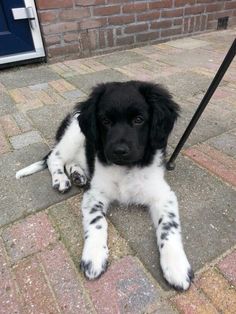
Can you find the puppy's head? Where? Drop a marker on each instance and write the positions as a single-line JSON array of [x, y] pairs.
[[128, 121]]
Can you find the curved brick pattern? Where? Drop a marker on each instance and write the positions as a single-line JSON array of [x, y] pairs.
[[64, 280], [193, 302], [36, 294], [8, 295], [28, 236], [125, 288], [218, 290], [215, 161], [228, 267]]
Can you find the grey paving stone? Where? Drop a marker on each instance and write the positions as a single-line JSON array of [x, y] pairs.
[[6, 104], [216, 119], [207, 215], [87, 81], [120, 58], [186, 84], [225, 142], [187, 43], [22, 122], [25, 139], [19, 198], [47, 119], [24, 76], [74, 94]]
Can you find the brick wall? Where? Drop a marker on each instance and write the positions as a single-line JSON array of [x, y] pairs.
[[79, 28]]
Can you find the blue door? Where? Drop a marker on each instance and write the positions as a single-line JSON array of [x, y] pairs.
[[15, 35]]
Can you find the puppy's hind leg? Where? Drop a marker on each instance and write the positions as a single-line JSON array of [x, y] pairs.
[[77, 174]]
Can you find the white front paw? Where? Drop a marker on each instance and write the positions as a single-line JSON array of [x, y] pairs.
[[94, 260], [176, 268]]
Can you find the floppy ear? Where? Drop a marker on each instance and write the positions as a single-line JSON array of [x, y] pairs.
[[163, 110], [87, 118]]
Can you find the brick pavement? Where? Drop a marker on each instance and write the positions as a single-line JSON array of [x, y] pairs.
[[41, 233]]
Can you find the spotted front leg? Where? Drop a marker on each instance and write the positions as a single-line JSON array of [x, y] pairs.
[[95, 251], [174, 263]]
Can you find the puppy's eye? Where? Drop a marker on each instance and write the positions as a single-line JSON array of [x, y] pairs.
[[138, 120], [106, 121]]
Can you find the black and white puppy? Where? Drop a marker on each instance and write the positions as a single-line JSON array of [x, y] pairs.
[[116, 139]]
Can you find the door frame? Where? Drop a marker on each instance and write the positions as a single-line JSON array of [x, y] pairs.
[[37, 40]]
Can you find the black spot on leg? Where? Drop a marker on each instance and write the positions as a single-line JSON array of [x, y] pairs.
[[164, 236], [57, 153], [96, 219], [160, 221], [86, 237], [162, 244], [168, 225], [59, 171], [56, 181], [100, 203], [171, 215], [98, 227], [93, 210]]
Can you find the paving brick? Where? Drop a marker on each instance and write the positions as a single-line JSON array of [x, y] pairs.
[[228, 267], [215, 161], [22, 122], [28, 236], [218, 290], [62, 86], [4, 145], [120, 58], [8, 295], [193, 302], [9, 125], [6, 104], [225, 142], [25, 139], [36, 294], [125, 288], [64, 280]]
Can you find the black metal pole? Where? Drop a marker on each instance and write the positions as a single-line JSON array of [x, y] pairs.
[[214, 84]]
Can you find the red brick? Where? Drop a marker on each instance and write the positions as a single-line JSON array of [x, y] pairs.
[[136, 28], [64, 279], [217, 15], [134, 7], [108, 10], [52, 39], [54, 4], [178, 21], [74, 14], [110, 38], [148, 16], [148, 36], [228, 267], [230, 5], [87, 3], [8, 296], [36, 294], [48, 16], [181, 3], [214, 7], [9, 125], [60, 28], [127, 40], [63, 50], [120, 19], [161, 24], [171, 32], [203, 22], [192, 302], [160, 4], [124, 288], [218, 290], [172, 13], [4, 144], [215, 161], [69, 37], [28, 236], [93, 23], [197, 9]]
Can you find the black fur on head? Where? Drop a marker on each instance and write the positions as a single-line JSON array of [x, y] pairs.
[[127, 122]]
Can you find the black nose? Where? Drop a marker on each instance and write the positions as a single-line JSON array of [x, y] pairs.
[[121, 150]]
